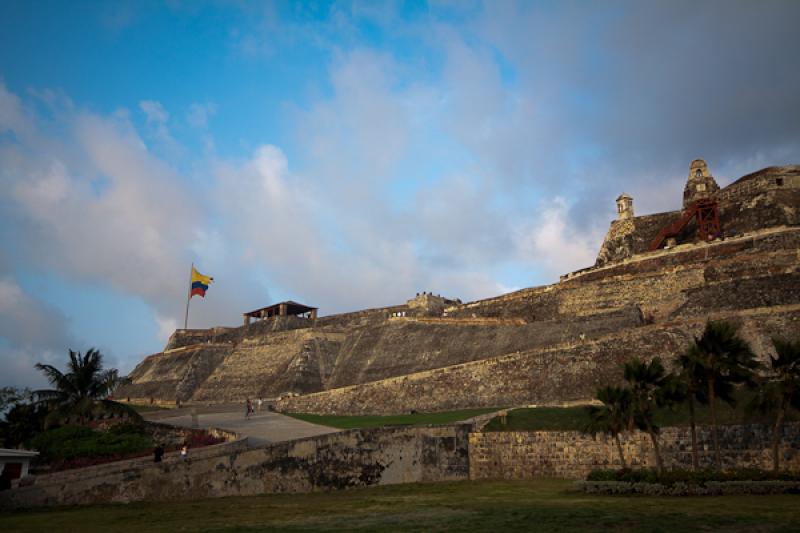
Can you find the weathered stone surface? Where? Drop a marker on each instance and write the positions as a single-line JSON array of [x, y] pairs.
[[382, 456], [568, 372], [755, 269], [764, 199], [569, 454], [355, 458]]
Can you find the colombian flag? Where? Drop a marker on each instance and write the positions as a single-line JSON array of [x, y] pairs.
[[200, 283]]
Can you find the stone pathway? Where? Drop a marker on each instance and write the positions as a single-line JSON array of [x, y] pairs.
[[262, 428]]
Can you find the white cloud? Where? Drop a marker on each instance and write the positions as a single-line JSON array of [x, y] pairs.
[[32, 331], [166, 327], [154, 111], [198, 114], [552, 242], [157, 118]]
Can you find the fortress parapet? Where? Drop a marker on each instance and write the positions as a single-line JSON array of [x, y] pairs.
[[765, 199]]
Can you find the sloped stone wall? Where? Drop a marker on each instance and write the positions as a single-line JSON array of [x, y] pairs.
[[568, 372], [572, 455], [408, 346], [269, 365], [688, 283]]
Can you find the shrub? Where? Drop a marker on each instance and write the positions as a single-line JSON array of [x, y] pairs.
[[69, 442], [689, 477], [203, 438], [711, 488]]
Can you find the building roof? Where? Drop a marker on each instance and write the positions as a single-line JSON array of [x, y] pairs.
[[292, 308], [12, 452]]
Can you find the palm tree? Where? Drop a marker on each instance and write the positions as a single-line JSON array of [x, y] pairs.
[[692, 378], [613, 417], [782, 389], [77, 390], [724, 360], [651, 387]]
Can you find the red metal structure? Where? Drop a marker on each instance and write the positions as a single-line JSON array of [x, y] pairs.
[[707, 215]]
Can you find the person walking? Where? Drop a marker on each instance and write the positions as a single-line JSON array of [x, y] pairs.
[[260, 401], [248, 409], [185, 452], [158, 453]]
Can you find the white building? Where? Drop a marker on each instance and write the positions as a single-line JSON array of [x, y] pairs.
[[15, 463]]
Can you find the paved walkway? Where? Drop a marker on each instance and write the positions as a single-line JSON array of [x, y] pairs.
[[262, 427]]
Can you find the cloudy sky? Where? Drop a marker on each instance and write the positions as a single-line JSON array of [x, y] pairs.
[[350, 154]]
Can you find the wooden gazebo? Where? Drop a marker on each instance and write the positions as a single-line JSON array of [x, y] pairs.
[[288, 308]]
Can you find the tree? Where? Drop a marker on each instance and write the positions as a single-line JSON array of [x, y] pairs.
[[11, 396], [692, 378], [724, 360], [81, 387], [21, 419], [651, 387], [22, 422], [781, 389], [613, 417]]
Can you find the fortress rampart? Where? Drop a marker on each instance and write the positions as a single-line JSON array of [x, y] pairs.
[[541, 344]]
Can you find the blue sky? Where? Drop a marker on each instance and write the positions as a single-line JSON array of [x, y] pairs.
[[350, 154]]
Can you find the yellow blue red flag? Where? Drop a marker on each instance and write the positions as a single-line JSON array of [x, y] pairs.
[[200, 283]]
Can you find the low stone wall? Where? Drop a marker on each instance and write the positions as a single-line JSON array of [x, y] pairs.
[[570, 454], [353, 458]]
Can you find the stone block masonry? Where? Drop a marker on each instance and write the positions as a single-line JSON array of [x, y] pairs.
[[383, 456], [572, 455], [755, 267], [355, 458], [566, 372]]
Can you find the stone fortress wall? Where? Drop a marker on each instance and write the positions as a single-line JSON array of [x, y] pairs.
[[572, 455], [384, 456], [541, 344], [355, 458], [765, 199]]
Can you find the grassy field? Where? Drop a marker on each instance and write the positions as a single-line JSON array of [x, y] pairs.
[[575, 418], [145, 408], [542, 505], [417, 419]]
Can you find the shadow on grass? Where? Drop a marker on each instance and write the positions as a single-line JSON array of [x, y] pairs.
[[539, 505]]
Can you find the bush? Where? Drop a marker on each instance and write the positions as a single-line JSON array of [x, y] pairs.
[[710, 488], [69, 442], [202, 438], [689, 477]]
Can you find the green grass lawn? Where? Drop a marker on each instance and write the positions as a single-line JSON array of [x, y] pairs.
[[145, 408], [575, 418], [541, 505], [417, 419]]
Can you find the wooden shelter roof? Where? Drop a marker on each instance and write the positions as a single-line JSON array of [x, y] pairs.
[[292, 308]]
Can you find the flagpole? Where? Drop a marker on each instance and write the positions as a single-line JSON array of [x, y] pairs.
[[188, 299]]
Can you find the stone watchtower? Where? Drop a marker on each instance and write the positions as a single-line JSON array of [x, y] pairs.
[[701, 183], [624, 206]]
